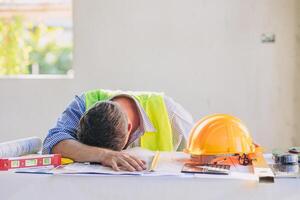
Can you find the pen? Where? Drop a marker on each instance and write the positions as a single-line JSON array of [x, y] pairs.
[[154, 161]]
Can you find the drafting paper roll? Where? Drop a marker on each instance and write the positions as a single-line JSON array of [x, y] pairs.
[[20, 147]]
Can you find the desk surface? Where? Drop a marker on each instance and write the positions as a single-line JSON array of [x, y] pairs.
[[36, 186]]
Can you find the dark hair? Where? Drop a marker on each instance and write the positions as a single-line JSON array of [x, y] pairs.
[[104, 125]]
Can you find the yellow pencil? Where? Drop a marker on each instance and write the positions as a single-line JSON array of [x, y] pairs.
[[154, 162]]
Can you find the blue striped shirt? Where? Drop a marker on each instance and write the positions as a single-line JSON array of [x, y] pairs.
[[68, 122]]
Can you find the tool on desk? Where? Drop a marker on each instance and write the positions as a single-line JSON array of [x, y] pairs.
[[286, 159], [206, 169], [154, 162], [30, 161], [295, 150], [286, 163], [66, 161], [261, 168]]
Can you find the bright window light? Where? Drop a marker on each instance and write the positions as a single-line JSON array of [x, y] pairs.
[[36, 37]]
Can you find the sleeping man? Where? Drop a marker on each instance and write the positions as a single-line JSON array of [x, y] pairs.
[[97, 125]]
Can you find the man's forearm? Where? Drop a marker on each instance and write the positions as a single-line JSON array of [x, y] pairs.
[[83, 153], [78, 151]]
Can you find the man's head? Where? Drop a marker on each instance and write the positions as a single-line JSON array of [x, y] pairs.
[[104, 125]]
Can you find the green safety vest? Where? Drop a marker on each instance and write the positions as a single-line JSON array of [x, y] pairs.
[[155, 108]]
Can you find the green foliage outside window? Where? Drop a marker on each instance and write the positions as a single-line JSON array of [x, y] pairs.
[[24, 46]]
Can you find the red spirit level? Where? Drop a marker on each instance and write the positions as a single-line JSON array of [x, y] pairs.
[[30, 161]]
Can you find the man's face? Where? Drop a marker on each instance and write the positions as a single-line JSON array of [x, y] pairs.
[[128, 107]]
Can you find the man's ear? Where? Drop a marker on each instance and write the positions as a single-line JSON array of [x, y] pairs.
[[129, 127]]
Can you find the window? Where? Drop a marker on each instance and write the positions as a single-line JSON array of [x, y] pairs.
[[35, 37]]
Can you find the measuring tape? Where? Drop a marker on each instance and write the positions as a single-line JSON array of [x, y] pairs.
[[30, 161], [286, 159], [290, 158]]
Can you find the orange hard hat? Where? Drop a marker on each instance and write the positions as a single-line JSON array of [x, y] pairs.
[[220, 134]]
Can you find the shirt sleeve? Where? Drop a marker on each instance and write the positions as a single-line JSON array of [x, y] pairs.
[[66, 125], [181, 122]]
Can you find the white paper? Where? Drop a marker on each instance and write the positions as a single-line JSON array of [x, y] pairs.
[[92, 169]]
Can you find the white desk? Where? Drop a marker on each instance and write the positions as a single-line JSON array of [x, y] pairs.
[[34, 186]]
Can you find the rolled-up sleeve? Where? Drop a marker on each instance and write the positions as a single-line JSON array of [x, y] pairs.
[[181, 122], [66, 125]]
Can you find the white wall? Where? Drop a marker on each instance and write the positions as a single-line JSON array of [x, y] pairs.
[[297, 75], [206, 54]]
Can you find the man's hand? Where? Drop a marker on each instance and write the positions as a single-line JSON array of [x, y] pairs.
[[84, 153], [121, 161]]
